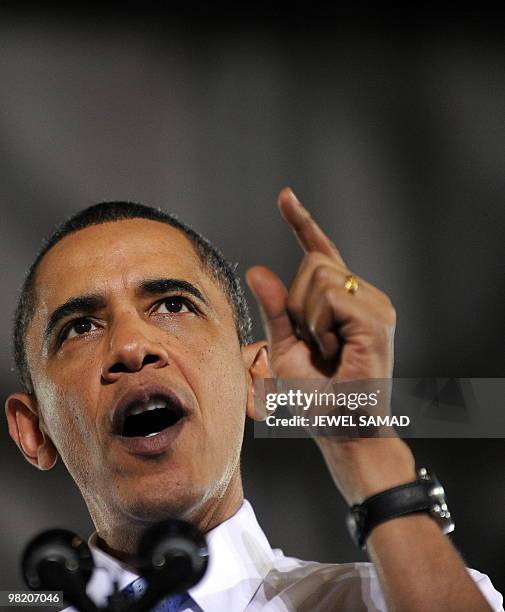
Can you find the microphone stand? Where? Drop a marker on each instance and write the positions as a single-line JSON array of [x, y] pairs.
[[172, 555]]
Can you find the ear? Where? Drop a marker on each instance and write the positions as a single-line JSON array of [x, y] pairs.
[[37, 447], [257, 362]]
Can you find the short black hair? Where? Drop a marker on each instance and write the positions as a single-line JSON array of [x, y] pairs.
[[212, 259]]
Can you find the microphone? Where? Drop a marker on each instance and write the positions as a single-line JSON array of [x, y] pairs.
[[172, 556], [59, 560]]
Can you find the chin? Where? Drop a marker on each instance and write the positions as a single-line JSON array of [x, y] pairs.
[[162, 501]]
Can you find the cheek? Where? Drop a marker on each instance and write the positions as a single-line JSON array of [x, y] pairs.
[[72, 392], [68, 419], [219, 382]]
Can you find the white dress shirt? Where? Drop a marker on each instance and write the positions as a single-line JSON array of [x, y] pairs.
[[245, 573]]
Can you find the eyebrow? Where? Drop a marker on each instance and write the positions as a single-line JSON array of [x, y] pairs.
[[83, 305], [156, 286], [88, 304]]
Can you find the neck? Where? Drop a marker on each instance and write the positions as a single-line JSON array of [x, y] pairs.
[[119, 537]]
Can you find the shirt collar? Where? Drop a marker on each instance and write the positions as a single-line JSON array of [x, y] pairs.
[[239, 559]]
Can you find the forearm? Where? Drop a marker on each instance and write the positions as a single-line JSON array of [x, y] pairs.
[[420, 570], [418, 567]]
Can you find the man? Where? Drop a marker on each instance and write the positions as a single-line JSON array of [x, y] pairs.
[[132, 343]]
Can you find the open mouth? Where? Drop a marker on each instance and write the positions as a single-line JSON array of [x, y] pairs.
[[147, 417]]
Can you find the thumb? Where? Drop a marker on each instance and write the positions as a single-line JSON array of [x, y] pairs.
[[272, 297]]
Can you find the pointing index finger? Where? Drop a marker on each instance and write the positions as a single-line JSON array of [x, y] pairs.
[[310, 236]]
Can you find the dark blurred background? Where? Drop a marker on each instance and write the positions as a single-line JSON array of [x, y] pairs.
[[390, 128]]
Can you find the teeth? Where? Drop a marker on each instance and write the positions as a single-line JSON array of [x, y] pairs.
[[151, 405]]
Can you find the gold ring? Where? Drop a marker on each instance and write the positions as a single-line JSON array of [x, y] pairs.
[[351, 283]]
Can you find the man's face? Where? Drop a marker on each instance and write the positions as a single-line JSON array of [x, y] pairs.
[[138, 336]]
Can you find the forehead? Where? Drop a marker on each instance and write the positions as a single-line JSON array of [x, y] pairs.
[[113, 255]]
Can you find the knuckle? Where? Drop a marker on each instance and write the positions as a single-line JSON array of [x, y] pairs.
[[385, 298], [378, 338], [387, 312], [390, 314], [382, 328], [331, 292], [323, 272]]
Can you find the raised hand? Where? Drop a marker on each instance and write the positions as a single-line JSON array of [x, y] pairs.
[[330, 323]]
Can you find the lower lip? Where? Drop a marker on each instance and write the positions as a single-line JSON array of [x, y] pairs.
[[152, 445]]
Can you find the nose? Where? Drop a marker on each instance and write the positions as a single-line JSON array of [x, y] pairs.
[[131, 349]]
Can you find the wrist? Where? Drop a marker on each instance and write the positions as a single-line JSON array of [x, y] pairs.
[[366, 466], [425, 494]]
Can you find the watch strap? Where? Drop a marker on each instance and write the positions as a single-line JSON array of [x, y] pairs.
[[408, 498]]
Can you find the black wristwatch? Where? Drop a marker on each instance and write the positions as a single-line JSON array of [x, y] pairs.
[[425, 494]]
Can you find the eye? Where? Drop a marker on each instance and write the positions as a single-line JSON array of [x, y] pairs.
[[174, 304], [79, 327]]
